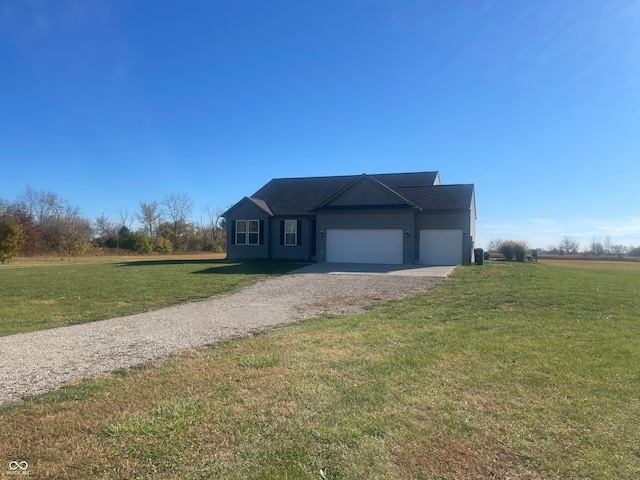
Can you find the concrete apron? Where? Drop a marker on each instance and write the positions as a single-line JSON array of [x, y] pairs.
[[376, 269]]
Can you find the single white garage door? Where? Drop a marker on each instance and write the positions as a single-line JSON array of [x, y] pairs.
[[441, 247], [364, 246]]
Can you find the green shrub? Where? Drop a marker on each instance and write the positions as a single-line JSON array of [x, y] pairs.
[[141, 243], [12, 237], [520, 250], [511, 248], [506, 249], [162, 245]]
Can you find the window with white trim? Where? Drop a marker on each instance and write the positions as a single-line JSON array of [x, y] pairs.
[[241, 232], [247, 232], [290, 233], [254, 232]]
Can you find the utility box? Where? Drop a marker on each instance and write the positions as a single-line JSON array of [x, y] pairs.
[[478, 253]]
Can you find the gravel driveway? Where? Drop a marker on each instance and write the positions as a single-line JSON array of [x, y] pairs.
[[37, 362]]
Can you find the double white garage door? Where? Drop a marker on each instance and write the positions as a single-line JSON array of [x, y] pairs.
[[364, 246], [385, 246]]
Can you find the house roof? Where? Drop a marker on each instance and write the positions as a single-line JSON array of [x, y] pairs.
[[300, 196], [440, 197], [364, 178], [261, 204]]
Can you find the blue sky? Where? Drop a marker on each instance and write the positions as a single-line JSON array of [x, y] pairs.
[[110, 103]]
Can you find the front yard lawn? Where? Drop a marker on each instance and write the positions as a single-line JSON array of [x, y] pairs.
[[34, 297], [504, 371]]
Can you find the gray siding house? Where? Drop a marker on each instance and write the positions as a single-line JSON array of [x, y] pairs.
[[391, 218]]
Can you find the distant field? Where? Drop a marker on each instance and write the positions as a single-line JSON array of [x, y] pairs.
[[44, 293], [504, 371], [609, 264]]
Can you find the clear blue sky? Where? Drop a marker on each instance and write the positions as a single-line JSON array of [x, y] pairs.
[[110, 103]]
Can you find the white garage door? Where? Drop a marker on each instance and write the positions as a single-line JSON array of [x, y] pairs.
[[441, 247], [364, 246]]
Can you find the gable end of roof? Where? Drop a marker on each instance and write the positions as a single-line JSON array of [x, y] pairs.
[[364, 177], [261, 204]]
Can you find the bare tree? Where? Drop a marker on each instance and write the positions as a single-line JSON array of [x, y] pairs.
[[619, 250], [568, 245], [633, 251], [494, 245], [179, 207], [76, 235], [104, 226], [4, 206], [41, 204], [215, 216], [606, 245], [109, 229], [126, 220], [596, 248], [65, 230], [150, 215]]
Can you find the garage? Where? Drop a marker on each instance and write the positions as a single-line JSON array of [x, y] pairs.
[[441, 247], [364, 246]]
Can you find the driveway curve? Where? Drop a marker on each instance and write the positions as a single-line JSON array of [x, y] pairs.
[[37, 362]]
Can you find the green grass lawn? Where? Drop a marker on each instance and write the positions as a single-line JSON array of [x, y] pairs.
[[504, 371], [34, 297]]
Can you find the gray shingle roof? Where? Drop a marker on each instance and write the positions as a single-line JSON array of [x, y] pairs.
[[440, 197], [299, 196], [262, 204]]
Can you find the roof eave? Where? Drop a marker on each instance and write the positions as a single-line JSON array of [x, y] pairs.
[[254, 201]]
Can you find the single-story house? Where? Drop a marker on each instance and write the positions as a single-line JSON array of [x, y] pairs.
[[396, 218]]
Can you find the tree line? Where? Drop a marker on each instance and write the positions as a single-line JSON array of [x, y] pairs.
[[40, 222], [598, 246]]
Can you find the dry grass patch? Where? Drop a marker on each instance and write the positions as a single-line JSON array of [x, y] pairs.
[[438, 456], [604, 264], [93, 259]]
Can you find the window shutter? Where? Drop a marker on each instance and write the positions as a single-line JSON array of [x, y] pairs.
[[261, 233], [233, 232], [299, 232], [281, 232]]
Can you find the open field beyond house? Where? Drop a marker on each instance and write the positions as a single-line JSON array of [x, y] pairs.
[[504, 371]]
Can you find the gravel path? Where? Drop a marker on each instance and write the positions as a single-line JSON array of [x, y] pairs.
[[37, 362]]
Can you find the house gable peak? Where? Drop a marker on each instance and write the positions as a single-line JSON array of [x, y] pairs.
[[364, 192], [252, 203]]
